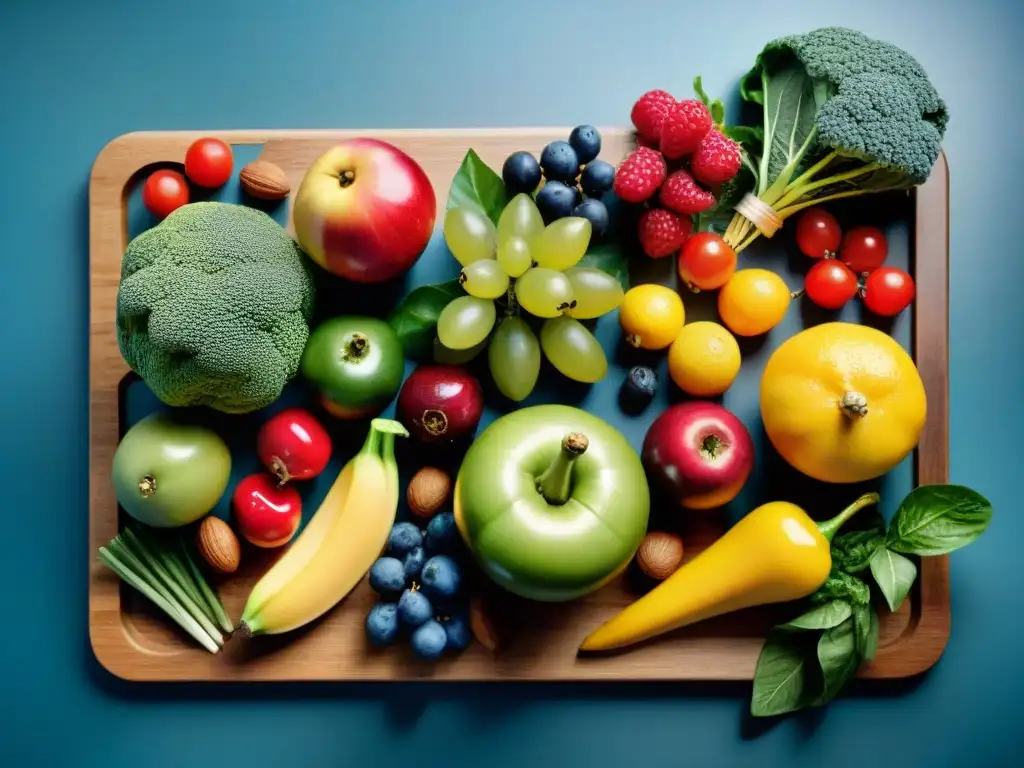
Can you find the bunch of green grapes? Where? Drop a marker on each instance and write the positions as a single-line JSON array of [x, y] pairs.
[[524, 265]]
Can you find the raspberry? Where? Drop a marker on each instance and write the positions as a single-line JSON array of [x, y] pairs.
[[682, 194], [716, 160], [662, 232], [639, 175], [649, 113], [685, 125]]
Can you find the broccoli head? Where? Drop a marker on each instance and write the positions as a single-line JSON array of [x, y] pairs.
[[213, 307]]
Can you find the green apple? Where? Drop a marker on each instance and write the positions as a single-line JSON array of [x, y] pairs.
[[168, 473], [552, 502]]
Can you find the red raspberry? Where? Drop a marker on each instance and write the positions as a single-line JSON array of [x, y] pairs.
[[685, 125], [682, 194], [662, 232], [649, 113], [639, 175], [716, 160]]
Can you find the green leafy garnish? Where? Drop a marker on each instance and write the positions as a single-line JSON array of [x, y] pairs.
[[840, 585], [937, 519], [894, 575], [475, 184], [852, 551], [780, 677], [415, 317], [608, 257]]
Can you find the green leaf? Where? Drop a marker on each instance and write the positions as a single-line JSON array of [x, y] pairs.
[[824, 616], [865, 622], [475, 184], [871, 644], [842, 586], [938, 519], [698, 88], [415, 318], [750, 137], [780, 677], [717, 111], [895, 575], [852, 550], [610, 258], [838, 658]]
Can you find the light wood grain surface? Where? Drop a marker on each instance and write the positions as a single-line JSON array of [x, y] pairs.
[[135, 643]]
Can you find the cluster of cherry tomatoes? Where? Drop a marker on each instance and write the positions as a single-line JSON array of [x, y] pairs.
[[208, 163], [849, 265]]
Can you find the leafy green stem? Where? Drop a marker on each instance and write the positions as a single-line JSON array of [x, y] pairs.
[[828, 528]]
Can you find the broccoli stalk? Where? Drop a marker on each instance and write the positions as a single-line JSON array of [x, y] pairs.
[[844, 115]]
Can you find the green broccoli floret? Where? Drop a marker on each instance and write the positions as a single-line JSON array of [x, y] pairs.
[[844, 115], [213, 307]]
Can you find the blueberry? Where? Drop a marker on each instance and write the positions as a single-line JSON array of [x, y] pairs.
[[521, 173], [457, 629], [387, 577], [586, 141], [441, 579], [597, 178], [382, 624], [429, 640], [414, 608], [414, 563], [559, 161], [638, 389], [442, 534], [556, 200], [594, 210], [403, 539]]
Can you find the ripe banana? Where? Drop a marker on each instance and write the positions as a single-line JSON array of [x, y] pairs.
[[339, 544]]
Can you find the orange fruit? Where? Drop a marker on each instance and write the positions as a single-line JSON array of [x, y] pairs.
[[753, 302], [651, 316], [704, 359]]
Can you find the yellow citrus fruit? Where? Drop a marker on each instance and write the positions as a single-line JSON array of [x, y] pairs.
[[753, 302], [842, 402], [704, 359], [651, 316]]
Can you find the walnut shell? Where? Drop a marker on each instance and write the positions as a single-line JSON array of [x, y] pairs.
[[218, 545], [428, 491], [264, 181], [660, 554]]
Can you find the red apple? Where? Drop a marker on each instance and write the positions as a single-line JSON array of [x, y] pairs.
[[268, 513], [365, 211], [700, 453], [440, 403]]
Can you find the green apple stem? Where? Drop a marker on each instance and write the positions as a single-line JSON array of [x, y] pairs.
[[555, 483]]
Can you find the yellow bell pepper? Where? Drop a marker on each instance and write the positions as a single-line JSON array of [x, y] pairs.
[[775, 554]]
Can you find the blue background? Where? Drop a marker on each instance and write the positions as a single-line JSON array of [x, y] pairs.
[[76, 75]]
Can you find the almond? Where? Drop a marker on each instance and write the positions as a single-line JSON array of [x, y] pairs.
[[218, 545], [428, 491], [660, 554], [481, 625], [264, 181]]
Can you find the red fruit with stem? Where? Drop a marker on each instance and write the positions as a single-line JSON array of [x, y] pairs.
[[888, 291], [268, 514], [818, 234], [293, 445], [830, 284], [440, 403]]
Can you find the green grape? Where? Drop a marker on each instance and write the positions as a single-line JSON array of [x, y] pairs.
[[514, 358], [484, 279], [514, 256], [544, 292], [470, 235], [597, 293], [445, 356], [573, 350], [520, 218], [562, 243], [465, 322]]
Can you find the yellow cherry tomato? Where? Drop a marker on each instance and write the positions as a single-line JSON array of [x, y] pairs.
[[753, 302], [651, 316], [704, 359], [842, 402]]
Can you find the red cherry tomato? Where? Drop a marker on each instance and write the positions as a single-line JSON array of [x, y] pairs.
[[818, 233], [864, 249], [706, 261], [293, 445], [164, 192], [268, 514], [830, 284], [208, 162], [888, 291]]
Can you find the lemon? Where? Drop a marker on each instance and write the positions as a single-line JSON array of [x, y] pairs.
[[753, 302], [651, 316], [842, 402], [704, 359]]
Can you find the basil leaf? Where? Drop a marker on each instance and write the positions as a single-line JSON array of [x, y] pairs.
[[842, 586], [824, 616], [475, 184], [852, 550], [895, 575], [838, 658], [415, 318], [750, 137], [779, 678], [863, 617], [871, 644], [609, 258], [937, 519]]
